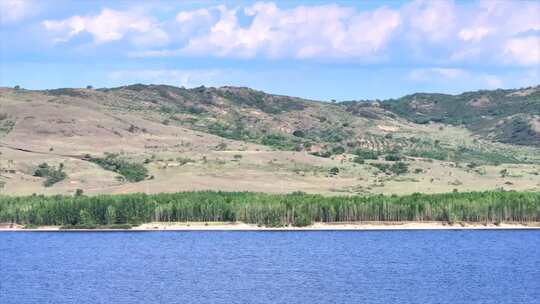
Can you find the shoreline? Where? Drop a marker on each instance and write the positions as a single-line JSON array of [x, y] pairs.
[[238, 226]]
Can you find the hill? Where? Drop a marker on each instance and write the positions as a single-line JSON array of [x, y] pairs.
[[158, 138], [508, 116]]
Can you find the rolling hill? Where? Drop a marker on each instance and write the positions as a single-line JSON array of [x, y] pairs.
[[234, 138]]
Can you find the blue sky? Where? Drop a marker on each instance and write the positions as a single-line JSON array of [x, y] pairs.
[[315, 49]]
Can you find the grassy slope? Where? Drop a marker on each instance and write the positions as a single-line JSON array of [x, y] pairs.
[[204, 138]]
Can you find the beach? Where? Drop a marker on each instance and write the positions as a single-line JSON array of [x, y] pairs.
[[238, 226]]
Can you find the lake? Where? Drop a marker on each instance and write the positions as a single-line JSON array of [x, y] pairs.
[[270, 267]]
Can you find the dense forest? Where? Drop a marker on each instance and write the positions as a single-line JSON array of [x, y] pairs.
[[297, 209]]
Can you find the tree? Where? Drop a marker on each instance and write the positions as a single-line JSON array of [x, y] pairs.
[[358, 160], [338, 150], [110, 215], [85, 217], [79, 192], [399, 168], [392, 157], [299, 133], [89, 87]]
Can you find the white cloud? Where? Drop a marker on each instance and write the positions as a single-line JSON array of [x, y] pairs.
[[299, 32], [189, 16], [431, 32], [434, 21], [524, 50], [15, 10], [185, 78], [474, 33], [110, 25]]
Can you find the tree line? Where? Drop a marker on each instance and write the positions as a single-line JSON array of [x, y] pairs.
[[298, 209]]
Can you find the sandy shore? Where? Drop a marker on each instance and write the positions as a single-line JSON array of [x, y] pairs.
[[201, 226]]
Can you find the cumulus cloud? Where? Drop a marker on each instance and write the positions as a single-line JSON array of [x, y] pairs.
[[110, 25], [430, 32], [434, 21], [299, 32]]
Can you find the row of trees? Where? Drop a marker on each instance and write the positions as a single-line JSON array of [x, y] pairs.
[[269, 209]]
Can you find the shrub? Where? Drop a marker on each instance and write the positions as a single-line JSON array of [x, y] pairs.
[[277, 141], [338, 150], [366, 154], [333, 171], [396, 168], [52, 175], [399, 168], [325, 154], [392, 157], [358, 160], [299, 133], [132, 172]]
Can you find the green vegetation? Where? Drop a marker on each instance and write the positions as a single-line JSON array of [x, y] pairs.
[[51, 174], [333, 171], [278, 141], [366, 154], [392, 157], [395, 168], [438, 154], [479, 111], [236, 131], [298, 209], [358, 160], [131, 172]]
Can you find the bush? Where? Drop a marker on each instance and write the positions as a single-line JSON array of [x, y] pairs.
[[338, 150], [132, 172], [52, 175], [366, 154], [399, 168], [392, 157], [299, 133], [396, 168], [358, 160], [277, 141], [325, 154], [333, 171]]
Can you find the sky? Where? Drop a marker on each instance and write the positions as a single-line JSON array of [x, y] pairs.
[[342, 50]]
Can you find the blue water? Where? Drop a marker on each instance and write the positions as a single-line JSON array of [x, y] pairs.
[[270, 267]]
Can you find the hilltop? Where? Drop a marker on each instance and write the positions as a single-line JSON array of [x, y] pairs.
[[158, 138]]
